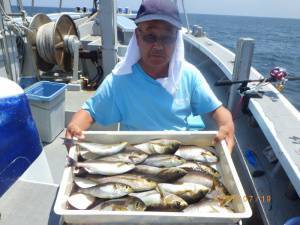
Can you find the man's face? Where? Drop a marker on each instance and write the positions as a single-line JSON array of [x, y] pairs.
[[156, 40]]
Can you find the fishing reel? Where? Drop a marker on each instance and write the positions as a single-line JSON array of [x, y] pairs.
[[279, 75]]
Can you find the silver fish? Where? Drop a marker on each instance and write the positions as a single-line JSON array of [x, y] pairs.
[[81, 200], [208, 206], [129, 157], [197, 166], [108, 190], [160, 146], [172, 203], [122, 204], [137, 182], [155, 201], [102, 167], [102, 149], [171, 174], [163, 161], [166, 174], [87, 155], [150, 198], [198, 178], [190, 192], [148, 170], [84, 183], [196, 153]]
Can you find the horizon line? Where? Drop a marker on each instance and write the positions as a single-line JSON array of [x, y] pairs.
[[209, 14]]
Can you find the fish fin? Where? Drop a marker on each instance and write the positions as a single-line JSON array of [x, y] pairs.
[[215, 183]]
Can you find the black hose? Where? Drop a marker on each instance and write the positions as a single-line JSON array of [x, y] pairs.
[[96, 81]]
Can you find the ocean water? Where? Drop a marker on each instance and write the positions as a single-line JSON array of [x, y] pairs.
[[277, 41], [34, 10]]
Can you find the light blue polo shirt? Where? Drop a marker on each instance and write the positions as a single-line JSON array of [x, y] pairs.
[[139, 102]]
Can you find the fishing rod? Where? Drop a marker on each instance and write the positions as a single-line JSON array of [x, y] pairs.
[[277, 75]]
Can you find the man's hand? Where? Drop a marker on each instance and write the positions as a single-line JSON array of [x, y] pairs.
[[224, 121], [80, 122], [73, 130], [228, 135]]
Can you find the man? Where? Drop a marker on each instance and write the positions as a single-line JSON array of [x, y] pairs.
[[153, 88]]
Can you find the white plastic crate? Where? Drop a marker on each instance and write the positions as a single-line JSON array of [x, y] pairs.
[[202, 138], [47, 103]]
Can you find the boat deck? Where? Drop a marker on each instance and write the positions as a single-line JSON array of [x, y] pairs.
[[30, 200], [281, 126], [29, 203]]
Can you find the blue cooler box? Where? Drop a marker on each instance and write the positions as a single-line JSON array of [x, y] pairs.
[[19, 139], [47, 103]]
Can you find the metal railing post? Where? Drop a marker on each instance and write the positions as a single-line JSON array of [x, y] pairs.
[[108, 31], [241, 69]]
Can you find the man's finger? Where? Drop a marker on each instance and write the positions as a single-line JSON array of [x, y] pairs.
[[230, 143], [74, 131], [80, 136], [78, 133], [71, 132], [68, 135], [223, 134]]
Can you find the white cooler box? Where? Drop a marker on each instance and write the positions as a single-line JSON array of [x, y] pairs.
[[202, 138]]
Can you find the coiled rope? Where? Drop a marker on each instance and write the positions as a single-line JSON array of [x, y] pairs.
[[45, 42]]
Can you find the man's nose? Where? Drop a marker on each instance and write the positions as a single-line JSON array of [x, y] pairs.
[[158, 45]]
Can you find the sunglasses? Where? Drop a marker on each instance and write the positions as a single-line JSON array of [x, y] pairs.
[[152, 38]]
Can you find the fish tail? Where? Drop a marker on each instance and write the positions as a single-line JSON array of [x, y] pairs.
[[226, 199], [70, 162], [68, 142]]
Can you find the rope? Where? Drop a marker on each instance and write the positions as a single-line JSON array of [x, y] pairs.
[[16, 25], [44, 42], [186, 17]]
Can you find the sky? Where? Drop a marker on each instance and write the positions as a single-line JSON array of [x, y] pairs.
[[261, 8]]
